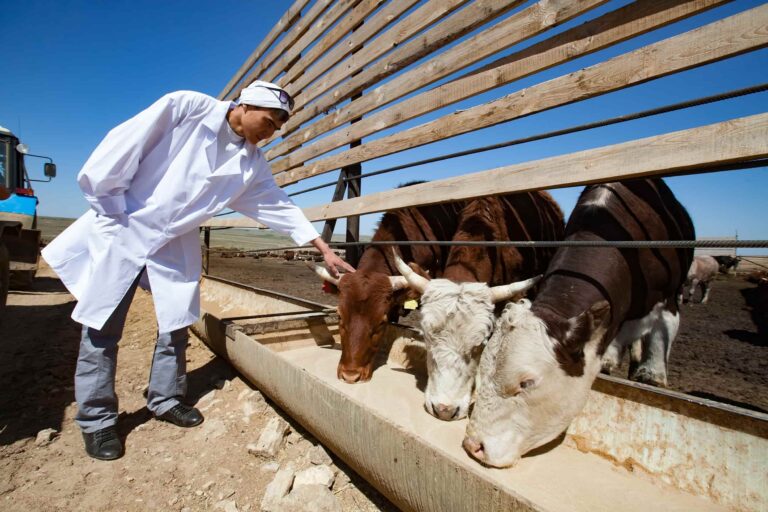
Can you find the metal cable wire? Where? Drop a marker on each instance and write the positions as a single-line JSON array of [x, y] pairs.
[[717, 168], [753, 262], [634, 244], [565, 131]]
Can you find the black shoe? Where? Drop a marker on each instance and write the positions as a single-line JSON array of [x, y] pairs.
[[103, 444], [182, 416]]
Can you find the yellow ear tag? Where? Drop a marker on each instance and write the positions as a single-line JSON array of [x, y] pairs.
[[411, 304]]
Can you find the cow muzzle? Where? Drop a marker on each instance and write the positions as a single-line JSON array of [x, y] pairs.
[[354, 375], [445, 412]]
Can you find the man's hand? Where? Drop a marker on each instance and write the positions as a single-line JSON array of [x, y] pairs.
[[332, 261]]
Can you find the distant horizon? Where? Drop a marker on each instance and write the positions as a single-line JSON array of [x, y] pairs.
[[364, 237]]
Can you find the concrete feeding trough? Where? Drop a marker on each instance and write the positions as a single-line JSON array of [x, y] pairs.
[[633, 447]]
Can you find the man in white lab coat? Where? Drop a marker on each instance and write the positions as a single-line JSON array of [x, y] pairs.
[[150, 183]]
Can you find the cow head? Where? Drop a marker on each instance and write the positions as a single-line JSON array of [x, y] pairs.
[[530, 385], [726, 263], [457, 320], [366, 300]]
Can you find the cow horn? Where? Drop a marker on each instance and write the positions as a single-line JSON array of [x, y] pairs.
[[398, 282], [416, 281], [323, 273], [507, 291]]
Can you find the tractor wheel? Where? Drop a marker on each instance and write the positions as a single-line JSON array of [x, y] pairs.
[[5, 276]]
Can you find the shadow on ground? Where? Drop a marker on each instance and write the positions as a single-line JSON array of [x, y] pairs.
[[38, 352]]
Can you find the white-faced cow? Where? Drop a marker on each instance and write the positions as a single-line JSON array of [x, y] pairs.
[[536, 372], [374, 295], [701, 274], [457, 311]]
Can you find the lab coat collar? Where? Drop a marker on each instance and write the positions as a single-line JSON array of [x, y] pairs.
[[214, 121], [217, 116]]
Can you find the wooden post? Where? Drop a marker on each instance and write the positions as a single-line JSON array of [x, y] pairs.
[[338, 195], [207, 253], [352, 188], [353, 253]]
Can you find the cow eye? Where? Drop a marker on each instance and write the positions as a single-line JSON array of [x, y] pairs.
[[510, 390]]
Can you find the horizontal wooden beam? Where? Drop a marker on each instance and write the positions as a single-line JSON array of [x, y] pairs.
[[505, 34], [338, 9], [389, 14], [412, 24], [294, 33], [340, 32], [352, 42], [737, 140], [392, 39], [741, 33], [281, 26]]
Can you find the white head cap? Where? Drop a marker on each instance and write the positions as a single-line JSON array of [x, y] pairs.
[[266, 94]]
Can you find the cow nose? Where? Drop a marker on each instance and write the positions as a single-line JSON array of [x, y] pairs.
[[445, 412], [350, 377], [474, 448]]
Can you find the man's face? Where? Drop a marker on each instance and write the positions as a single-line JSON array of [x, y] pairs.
[[260, 123]]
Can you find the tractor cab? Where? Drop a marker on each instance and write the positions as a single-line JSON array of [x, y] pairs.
[[18, 202], [19, 236]]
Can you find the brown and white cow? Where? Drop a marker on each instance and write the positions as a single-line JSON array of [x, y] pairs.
[[536, 372], [457, 311], [374, 295], [701, 274]]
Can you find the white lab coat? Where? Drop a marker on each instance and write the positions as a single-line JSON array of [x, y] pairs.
[[151, 183]]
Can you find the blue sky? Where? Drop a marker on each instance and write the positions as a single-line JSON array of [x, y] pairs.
[[75, 69]]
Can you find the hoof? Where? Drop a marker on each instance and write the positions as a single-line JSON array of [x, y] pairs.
[[646, 376]]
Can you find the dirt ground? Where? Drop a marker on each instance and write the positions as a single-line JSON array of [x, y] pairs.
[[719, 354], [165, 468]]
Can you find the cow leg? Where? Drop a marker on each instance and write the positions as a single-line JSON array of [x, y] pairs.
[[615, 351], [704, 292], [635, 356], [692, 290], [656, 347]]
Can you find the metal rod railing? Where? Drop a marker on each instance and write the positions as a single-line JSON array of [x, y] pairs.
[[678, 244]]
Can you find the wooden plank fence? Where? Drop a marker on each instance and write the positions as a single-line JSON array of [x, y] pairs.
[[361, 67]]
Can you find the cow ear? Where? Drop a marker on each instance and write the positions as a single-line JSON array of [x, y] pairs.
[[329, 287], [417, 268], [589, 321], [600, 313], [516, 312]]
